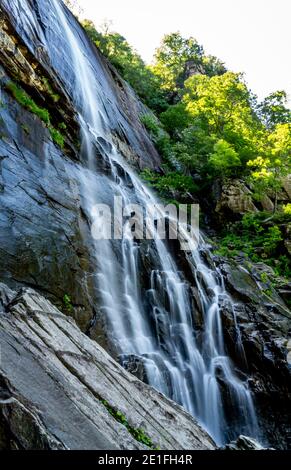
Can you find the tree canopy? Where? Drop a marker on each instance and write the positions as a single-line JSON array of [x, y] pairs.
[[208, 122], [207, 125]]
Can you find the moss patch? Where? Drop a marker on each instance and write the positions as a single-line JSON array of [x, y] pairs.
[[67, 303], [138, 434], [28, 103], [49, 90], [57, 137]]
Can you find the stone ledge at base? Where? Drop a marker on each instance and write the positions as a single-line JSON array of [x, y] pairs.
[[245, 443], [57, 387]]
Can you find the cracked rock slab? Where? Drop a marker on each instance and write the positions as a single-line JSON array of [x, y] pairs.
[[54, 380]]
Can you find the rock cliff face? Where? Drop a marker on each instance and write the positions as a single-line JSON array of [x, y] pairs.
[[44, 232], [46, 246], [260, 321], [235, 198], [61, 390]]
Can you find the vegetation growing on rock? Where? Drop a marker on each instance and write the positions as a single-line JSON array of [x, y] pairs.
[[209, 127], [260, 238], [27, 102], [138, 434]]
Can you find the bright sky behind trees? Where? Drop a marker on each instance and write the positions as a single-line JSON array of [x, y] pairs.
[[251, 36]]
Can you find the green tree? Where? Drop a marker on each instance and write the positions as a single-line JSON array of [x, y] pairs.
[[269, 169], [222, 107], [171, 57], [193, 148], [224, 160], [177, 58], [273, 110], [175, 119]]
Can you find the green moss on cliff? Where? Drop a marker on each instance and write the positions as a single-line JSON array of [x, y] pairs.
[[57, 137], [28, 103], [138, 434], [49, 90]]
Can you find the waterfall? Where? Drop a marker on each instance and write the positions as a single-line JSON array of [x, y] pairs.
[[153, 321]]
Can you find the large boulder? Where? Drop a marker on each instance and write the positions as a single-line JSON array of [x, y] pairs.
[[233, 198]]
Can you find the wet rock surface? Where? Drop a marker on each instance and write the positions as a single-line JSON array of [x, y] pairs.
[[56, 385], [257, 329], [245, 443], [45, 236], [30, 28]]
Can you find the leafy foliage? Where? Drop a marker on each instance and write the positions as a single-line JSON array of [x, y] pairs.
[[275, 163], [57, 137], [224, 158], [272, 110], [260, 239], [172, 183], [177, 57], [287, 209], [67, 303], [208, 125]]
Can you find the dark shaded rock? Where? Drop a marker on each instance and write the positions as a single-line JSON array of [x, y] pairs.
[[284, 290], [134, 365], [261, 323], [250, 287], [43, 232], [245, 443], [26, 428]]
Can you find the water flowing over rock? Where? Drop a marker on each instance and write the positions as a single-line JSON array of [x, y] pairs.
[[56, 385], [170, 317]]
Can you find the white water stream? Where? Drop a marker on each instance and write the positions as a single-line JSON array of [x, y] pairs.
[[155, 323]]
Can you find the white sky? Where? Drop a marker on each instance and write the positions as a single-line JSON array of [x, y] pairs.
[[251, 36]]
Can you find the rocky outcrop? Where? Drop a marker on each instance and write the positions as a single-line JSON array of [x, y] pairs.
[[245, 443], [234, 198], [61, 390], [257, 335]]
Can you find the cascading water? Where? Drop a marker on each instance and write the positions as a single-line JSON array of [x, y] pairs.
[[153, 320]]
